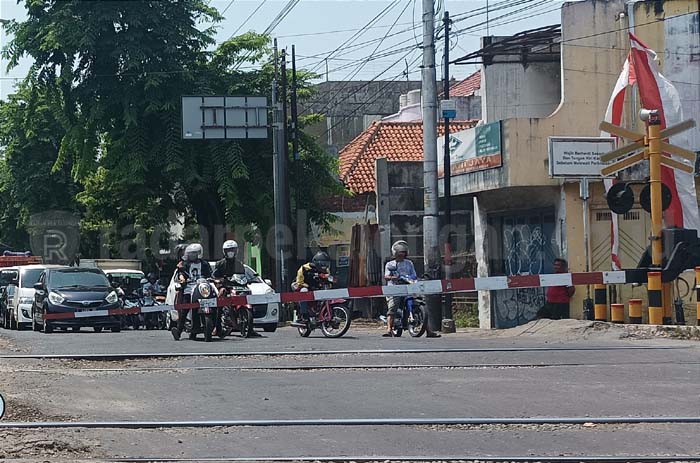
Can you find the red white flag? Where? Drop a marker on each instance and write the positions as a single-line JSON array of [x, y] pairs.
[[656, 92]]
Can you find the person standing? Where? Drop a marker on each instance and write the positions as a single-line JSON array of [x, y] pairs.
[[558, 298]]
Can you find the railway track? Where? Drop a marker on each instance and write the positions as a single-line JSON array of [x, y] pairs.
[[444, 421], [142, 355], [320, 367], [426, 459]]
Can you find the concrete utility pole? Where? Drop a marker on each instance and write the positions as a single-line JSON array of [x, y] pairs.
[[279, 168], [431, 247], [448, 324]]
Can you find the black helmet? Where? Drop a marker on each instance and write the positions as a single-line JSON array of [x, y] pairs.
[[321, 259]]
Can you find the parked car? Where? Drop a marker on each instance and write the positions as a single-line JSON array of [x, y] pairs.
[[74, 289], [19, 306], [128, 280], [265, 316]]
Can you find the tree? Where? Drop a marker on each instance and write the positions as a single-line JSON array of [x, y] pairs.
[[30, 135], [115, 72]]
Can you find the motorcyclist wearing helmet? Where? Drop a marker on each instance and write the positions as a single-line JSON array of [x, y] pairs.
[[151, 286], [191, 268], [230, 266], [401, 266], [306, 279]]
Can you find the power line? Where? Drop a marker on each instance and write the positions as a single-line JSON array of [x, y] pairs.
[[227, 7], [247, 19], [280, 16], [368, 102], [364, 63], [338, 31], [356, 36], [365, 85]]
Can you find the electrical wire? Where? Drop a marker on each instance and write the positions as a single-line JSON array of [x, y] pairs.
[[227, 7], [246, 20], [349, 77], [356, 36], [280, 16]]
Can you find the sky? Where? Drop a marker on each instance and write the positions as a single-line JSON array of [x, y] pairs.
[[317, 28]]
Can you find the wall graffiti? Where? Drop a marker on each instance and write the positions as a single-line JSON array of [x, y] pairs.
[[528, 248], [517, 306]]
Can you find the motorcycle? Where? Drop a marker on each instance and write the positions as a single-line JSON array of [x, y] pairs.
[[410, 315], [332, 316], [205, 294], [148, 298], [238, 317], [130, 301]]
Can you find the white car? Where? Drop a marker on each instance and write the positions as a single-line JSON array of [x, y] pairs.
[[265, 316], [19, 304], [127, 278]]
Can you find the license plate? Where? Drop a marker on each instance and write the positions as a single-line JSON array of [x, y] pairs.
[[207, 302]]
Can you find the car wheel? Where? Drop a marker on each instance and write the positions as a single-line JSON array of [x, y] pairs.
[[97, 329], [116, 329], [75, 329], [270, 327]]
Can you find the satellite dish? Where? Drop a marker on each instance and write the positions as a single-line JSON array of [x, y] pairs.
[[645, 197], [2, 406], [620, 198]]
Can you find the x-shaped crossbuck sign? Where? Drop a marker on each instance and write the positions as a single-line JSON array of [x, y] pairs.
[[641, 142]]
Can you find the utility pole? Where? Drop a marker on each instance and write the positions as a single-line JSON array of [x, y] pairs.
[[277, 136], [431, 247], [300, 224], [448, 324], [588, 306], [284, 177], [279, 168]]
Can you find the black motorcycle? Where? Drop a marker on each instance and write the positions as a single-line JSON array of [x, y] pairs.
[[236, 317]]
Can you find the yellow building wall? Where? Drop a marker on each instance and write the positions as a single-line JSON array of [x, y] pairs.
[[590, 68]]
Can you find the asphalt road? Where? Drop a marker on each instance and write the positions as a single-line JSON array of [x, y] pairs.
[[557, 370]]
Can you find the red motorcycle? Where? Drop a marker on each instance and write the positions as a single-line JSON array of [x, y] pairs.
[[332, 316], [235, 317]]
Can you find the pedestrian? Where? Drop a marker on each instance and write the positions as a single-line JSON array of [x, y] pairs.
[[558, 298]]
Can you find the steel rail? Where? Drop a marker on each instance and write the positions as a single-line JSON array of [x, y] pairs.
[[417, 458], [474, 366], [137, 355], [352, 422]]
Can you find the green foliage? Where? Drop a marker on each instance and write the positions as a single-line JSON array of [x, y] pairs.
[[466, 315], [99, 115]]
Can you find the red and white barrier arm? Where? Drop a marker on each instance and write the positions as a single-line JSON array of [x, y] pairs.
[[425, 287]]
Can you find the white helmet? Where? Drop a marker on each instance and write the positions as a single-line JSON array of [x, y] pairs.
[[193, 252], [230, 248], [399, 246]]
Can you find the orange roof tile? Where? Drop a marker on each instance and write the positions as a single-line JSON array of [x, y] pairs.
[[468, 86], [396, 141]]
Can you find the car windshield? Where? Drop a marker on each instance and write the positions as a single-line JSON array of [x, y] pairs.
[[7, 277], [72, 279], [30, 277]]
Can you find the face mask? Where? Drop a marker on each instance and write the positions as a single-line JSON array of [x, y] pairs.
[[230, 254]]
